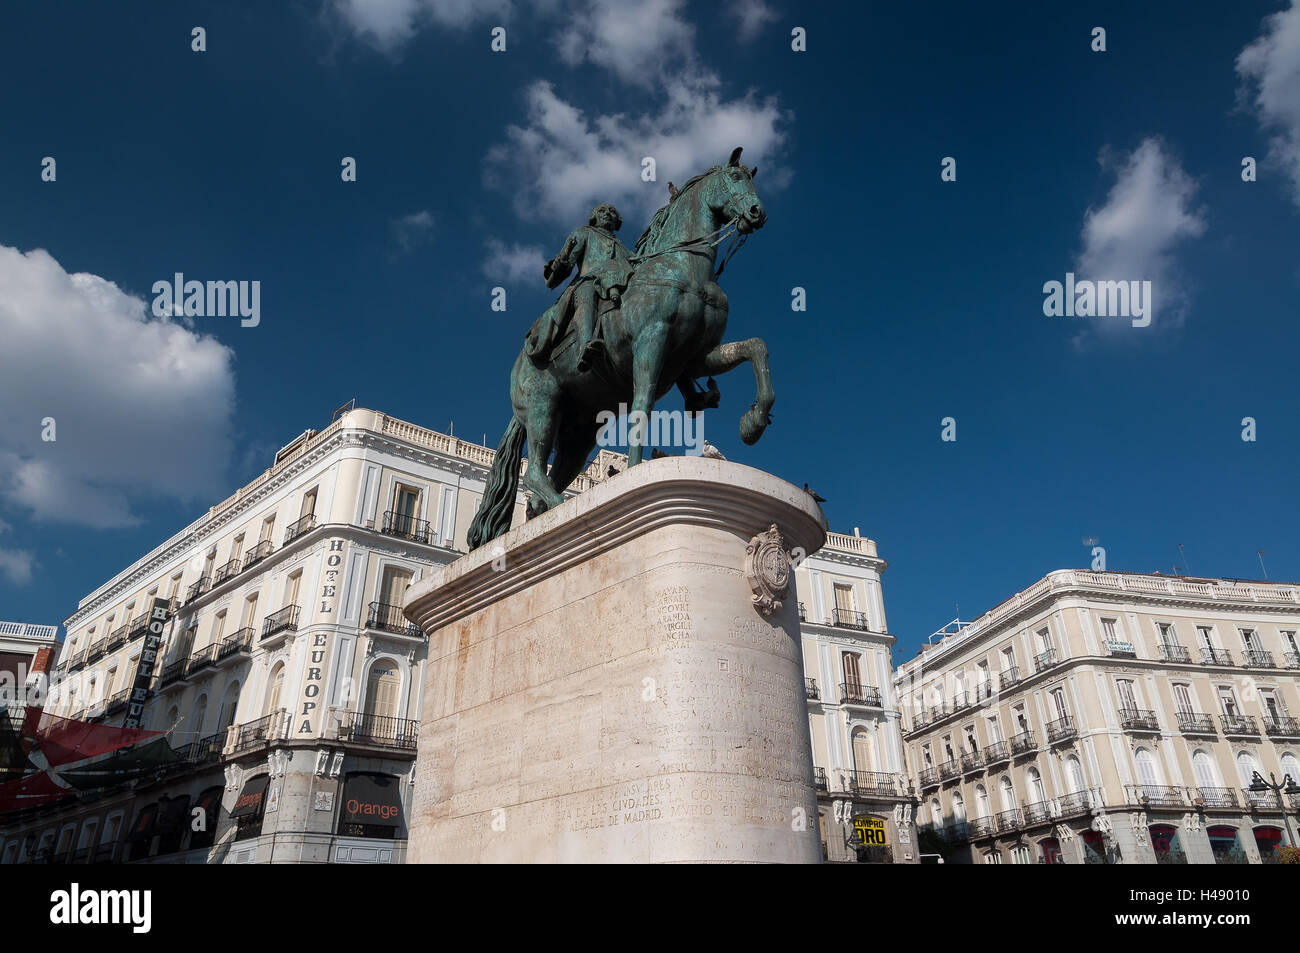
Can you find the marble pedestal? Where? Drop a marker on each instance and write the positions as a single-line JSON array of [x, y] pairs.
[[601, 687]]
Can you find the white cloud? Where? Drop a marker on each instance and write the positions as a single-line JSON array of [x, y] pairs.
[[640, 42], [1270, 69], [752, 15], [512, 263], [142, 406], [1133, 235], [561, 163], [16, 565], [410, 230], [387, 24]]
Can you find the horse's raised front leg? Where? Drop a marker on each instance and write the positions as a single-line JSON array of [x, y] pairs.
[[647, 366], [542, 425], [732, 354]]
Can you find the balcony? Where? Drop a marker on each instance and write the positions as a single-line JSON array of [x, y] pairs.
[[380, 730], [117, 702], [1241, 726], [1174, 653], [1045, 660], [1080, 802], [96, 652], [929, 778], [996, 753], [1037, 813], [1009, 677], [235, 645], [1257, 658], [1291, 659], [198, 588], [1139, 721], [811, 691], [1215, 657], [1062, 729], [229, 571], [257, 554], [851, 693], [875, 783], [408, 527], [1193, 723], [259, 733], [1121, 650], [820, 781], [803, 613], [948, 769], [1156, 795], [140, 624], [1281, 726], [971, 761], [981, 827], [1008, 820], [983, 691], [174, 674], [285, 620], [849, 619], [117, 638], [1262, 800], [386, 617], [296, 529], [204, 658], [1218, 798], [1023, 743], [204, 751]]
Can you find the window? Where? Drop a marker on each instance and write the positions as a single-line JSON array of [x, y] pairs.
[[1207, 776], [982, 800], [1288, 638], [174, 586], [406, 509], [229, 702], [382, 687], [1074, 774], [947, 749], [852, 673], [995, 729], [291, 589], [958, 808], [993, 857], [1045, 639], [1250, 639], [1167, 636], [972, 743], [1274, 712], [275, 687], [1020, 854], [1036, 790], [1108, 630], [1127, 702], [861, 750], [1291, 767], [1148, 770], [1008, 659], [936, 813], [236, 549], [1008, 794], [1228, 701], [843, 597], [1183, 700], [925, 756], [1022, 723], [250, 611], [1058, 699], [268, 527], [218, 627], [1205, 637], [393, 586], [308, 504], [200, 714]]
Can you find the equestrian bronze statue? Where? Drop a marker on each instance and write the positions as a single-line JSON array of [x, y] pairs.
[[627, 330]]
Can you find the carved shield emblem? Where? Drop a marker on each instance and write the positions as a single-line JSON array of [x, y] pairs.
[[767, 568]]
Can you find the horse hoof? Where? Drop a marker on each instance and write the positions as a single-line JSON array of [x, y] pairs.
[[752, 426]]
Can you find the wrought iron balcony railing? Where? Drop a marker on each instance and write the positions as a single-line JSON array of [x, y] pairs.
[[1008, 820], [259, 732], [383, 731], [1282, 726], [851, 693], [948, 769], [803, 613], [284, 619], [983, 691], [117, 638], [96, 651], [298, 527], [1291, 659], [875, 783], [1138, 719], [850, 619], [1174, 653], [1045, 660], [1037, 813], [1239, 725], [1062, 729], [140, 624], [117, 702], [407, 527], [971, 761], [1263, 800], [929, 778], [820, 781], [1215, 798], [1257, 658], [1023, 743], [227, 571], [1156, 795], [981, 827], [996, 753], [235, 643], [257, 554], [198, 588], [201, 659], [1194, 723], [1216, 657], [173, 672], [388, 618], [1079, 802], [811, 690], [1009, 677]]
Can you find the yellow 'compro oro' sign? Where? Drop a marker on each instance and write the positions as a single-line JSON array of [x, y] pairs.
[[869, 830]]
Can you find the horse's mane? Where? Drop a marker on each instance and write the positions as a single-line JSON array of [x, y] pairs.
[[649, 240]]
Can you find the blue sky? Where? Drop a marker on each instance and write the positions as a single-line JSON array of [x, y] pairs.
[[924, 297]]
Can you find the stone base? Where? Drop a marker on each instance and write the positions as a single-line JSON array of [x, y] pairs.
[[600, 686]]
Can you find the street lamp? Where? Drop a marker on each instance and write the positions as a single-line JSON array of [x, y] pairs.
[[1286, 786]]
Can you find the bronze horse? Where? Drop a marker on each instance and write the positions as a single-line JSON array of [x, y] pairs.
[[667, 331]]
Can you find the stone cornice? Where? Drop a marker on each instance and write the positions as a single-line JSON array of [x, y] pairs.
[[658, 493]]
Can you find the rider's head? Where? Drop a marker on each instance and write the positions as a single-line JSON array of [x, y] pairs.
[[605, 216]]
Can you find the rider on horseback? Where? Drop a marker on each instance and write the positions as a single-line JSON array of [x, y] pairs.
[[603, 273]]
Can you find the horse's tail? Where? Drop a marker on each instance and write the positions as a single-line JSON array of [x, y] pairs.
[[493, 516]]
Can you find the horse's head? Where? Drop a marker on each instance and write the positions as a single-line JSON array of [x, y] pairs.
[[733, 198]]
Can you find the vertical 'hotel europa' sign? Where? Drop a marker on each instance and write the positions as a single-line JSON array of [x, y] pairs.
[[318, 648], [153, 636]]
